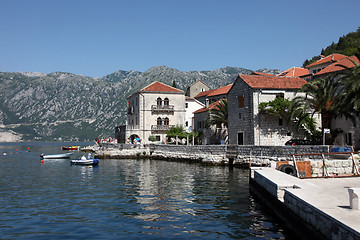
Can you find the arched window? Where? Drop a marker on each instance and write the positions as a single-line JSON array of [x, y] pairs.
[[159, 121], [166, 101], [158, 101], [166, 121]]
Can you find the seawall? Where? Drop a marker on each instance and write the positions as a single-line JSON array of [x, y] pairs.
[[208, 154]]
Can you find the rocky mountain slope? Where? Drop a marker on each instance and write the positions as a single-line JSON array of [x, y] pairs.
[[39, 106]]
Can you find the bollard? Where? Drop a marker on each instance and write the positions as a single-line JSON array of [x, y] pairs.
[[354, 198]]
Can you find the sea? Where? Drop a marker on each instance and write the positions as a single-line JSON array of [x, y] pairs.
[[126, 199]]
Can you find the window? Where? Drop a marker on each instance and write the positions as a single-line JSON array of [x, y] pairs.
[[199, 125], [186, 105], [157, 138], [240, 138], [186, 124], [158, 101], [280, 121], [166, 101], [280, 95], [166, 121], [348, 139], [241, 101], [159, 121], [239, 115]]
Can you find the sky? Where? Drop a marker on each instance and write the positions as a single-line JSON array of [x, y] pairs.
[[98, 37]]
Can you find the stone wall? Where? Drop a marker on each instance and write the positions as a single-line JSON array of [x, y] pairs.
[[262, 155]]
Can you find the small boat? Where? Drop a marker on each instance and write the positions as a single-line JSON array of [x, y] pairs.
[[84, 161], [56, 156], [71, 148]]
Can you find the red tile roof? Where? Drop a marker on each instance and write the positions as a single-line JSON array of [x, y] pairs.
[[294, 72], [331, 58], [160, 87], [205, 109], [204, 93], [268, 82], [340, 65], [261, 73], [220, 91]]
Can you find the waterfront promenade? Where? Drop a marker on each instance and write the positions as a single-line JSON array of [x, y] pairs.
[[321, 203]]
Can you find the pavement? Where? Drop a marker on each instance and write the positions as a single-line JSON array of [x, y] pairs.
[[329, 195]]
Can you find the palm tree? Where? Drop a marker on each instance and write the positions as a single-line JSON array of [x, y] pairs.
[[322, 95], [219, 114], [351, 88]]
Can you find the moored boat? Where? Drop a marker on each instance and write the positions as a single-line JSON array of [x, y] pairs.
[[56, 156], [84, 161], [71, 148]]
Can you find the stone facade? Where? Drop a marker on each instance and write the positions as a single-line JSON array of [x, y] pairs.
[[348, 133], [154, 110], [246, 125], [197, 87]]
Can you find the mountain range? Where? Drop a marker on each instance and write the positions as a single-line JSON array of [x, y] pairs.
[[68, 107]]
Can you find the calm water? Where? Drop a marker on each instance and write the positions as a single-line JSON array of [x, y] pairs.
[[130, 199]]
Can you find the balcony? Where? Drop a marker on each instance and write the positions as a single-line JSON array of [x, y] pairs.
[[162, 108], [161, 127], [132, 127]]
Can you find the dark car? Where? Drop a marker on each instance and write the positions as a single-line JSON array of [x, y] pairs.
[[299, 142]]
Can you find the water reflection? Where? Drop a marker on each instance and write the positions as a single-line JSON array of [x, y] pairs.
[[126, 198]]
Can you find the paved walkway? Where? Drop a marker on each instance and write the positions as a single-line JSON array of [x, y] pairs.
[[330, 195]]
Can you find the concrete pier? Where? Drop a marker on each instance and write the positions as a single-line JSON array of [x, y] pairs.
[[322, 204]]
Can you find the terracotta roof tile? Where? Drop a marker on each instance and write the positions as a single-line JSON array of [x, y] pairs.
[[340, 65], [268, 82], [261, 73], [220, 91], [294, 72], [331, 58], [204, 93], [159, 87], [205, 109]]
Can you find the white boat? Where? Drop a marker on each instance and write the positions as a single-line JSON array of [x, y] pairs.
[[84, 161], [56, 156]]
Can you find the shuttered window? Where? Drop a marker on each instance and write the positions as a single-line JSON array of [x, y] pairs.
[[241, 101]]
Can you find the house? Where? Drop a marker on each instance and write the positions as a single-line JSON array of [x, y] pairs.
[[249, 127], [195, 88], [153, 110], [191, 105], [345, 132], [210, 134], [294, 72], [213, 95]]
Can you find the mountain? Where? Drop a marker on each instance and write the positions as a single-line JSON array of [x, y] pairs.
[[60, 105]]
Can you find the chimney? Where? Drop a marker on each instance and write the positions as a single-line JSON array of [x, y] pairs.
[[207, 103]]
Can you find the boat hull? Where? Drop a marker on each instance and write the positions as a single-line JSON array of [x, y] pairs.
[[56, 156], [72, 148], [85, 162]]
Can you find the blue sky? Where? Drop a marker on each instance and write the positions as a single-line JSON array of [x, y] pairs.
[[96, 38]]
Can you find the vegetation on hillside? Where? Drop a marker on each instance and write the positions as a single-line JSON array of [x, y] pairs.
[[348, 45]]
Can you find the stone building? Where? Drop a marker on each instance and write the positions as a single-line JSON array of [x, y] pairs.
[[197, 87], [213, 95], [246, 125], [209, 134], [153, 110], [347, 134]]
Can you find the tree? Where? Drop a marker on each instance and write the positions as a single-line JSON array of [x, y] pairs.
[[322, 95], [351, 89], [174, 84], [219, 114], [292, 112]]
